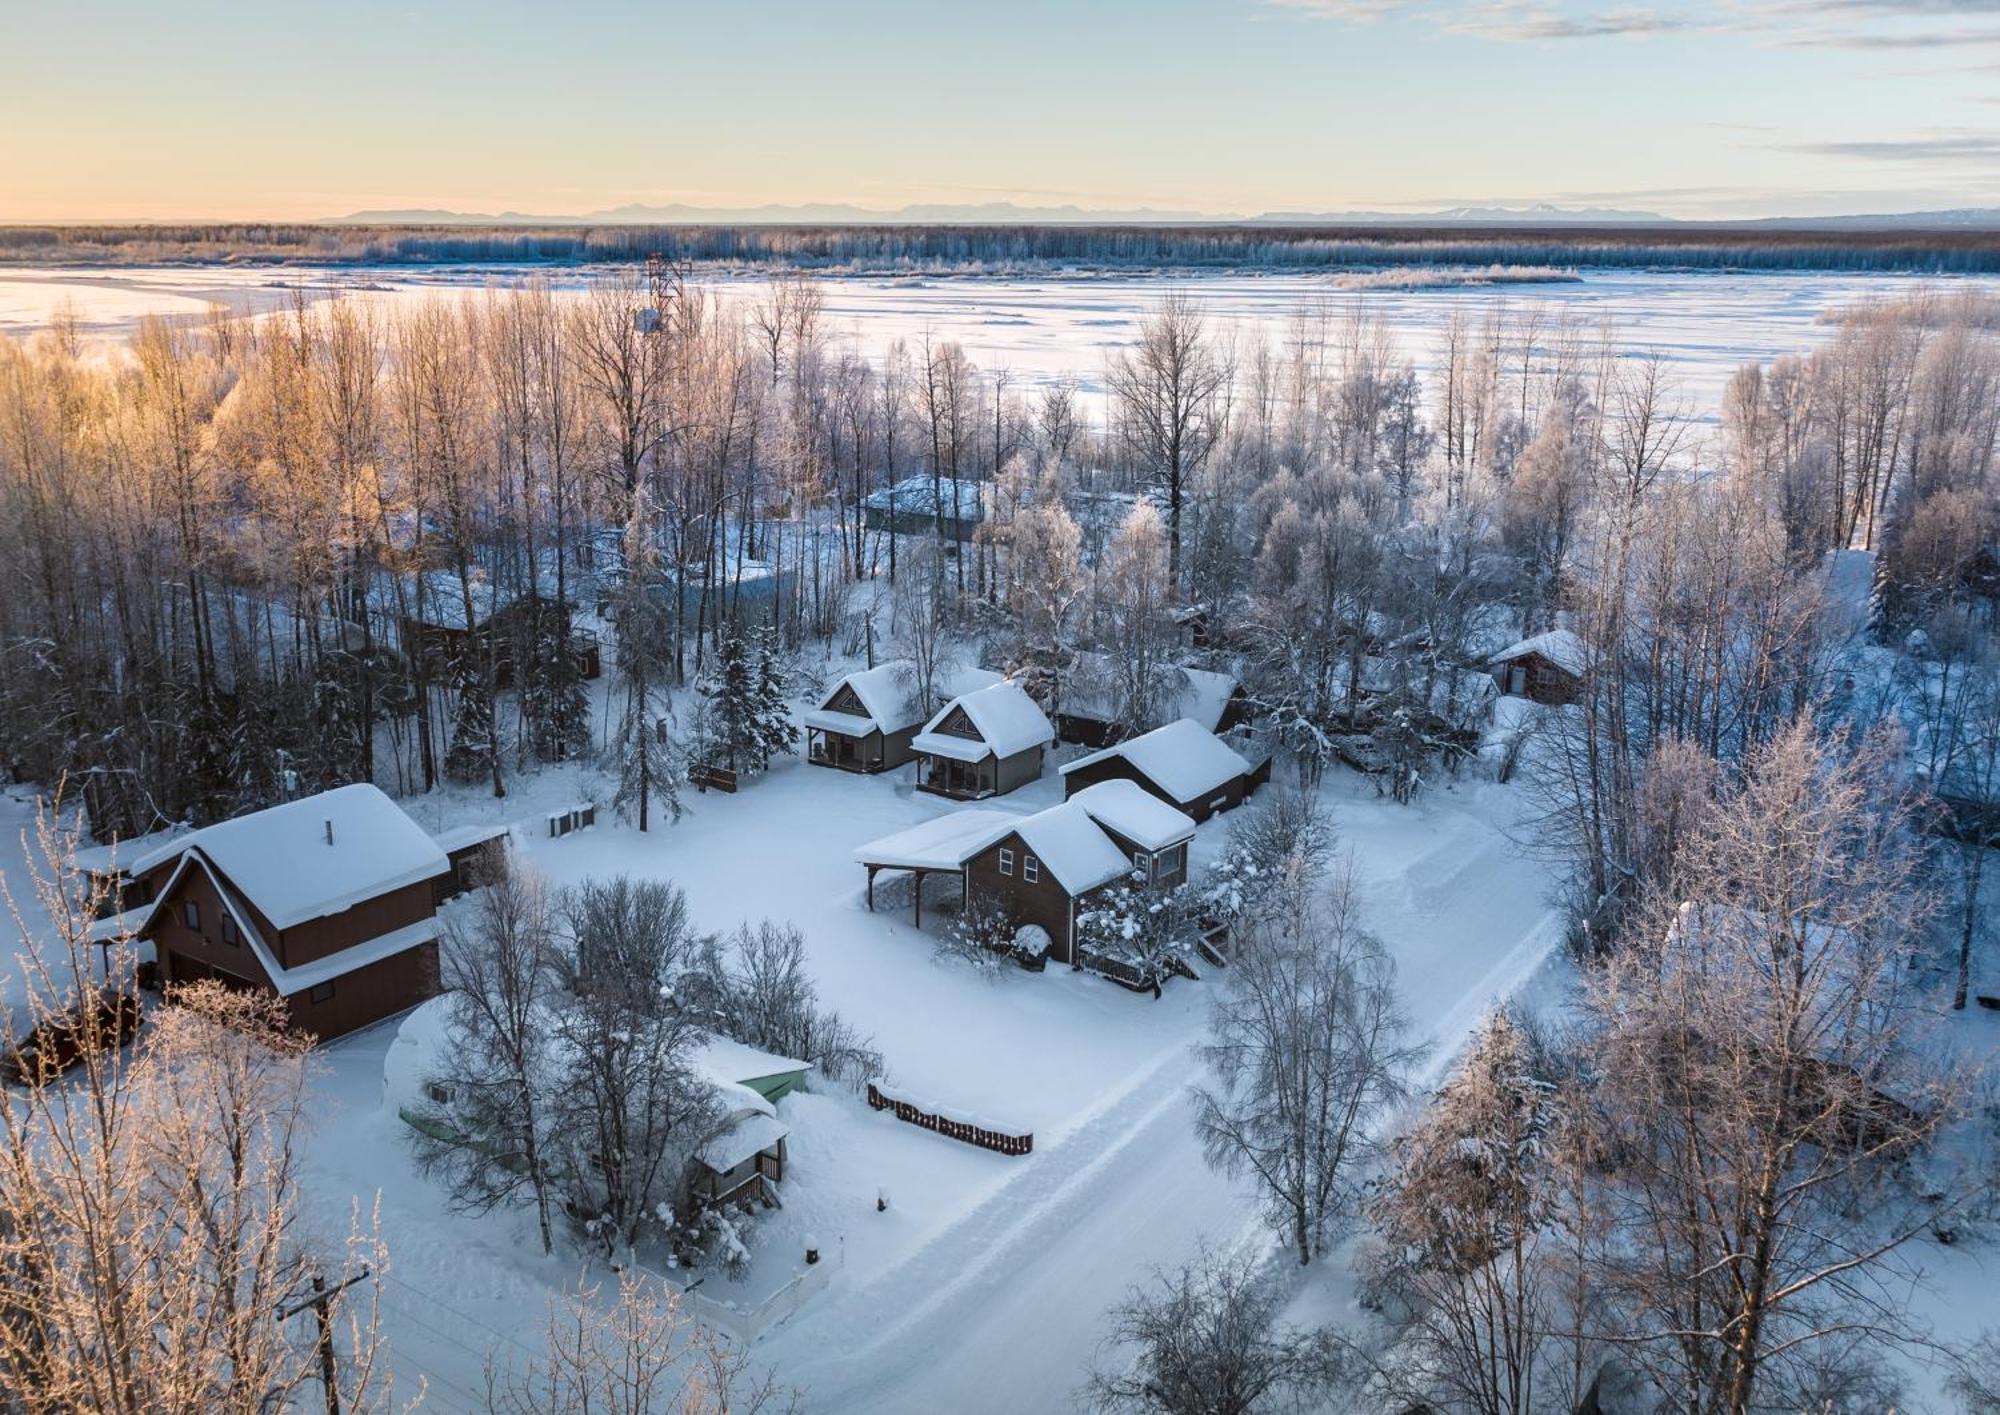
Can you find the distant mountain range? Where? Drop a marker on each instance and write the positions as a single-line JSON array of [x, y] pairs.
[[1006, 213]]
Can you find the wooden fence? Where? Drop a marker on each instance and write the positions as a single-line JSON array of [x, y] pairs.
[[997, 1140]]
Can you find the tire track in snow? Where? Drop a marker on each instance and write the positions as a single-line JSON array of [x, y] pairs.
[[893, 1331]]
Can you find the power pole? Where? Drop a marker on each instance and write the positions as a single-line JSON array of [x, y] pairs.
[[321, 1302]]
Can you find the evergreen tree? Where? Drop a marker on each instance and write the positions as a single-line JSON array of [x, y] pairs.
[[774, 731], [555, 702], [729, 688], [472, 732]]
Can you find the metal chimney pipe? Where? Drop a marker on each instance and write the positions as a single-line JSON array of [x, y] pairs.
[[329, 831]]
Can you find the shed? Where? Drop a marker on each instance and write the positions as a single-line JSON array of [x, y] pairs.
[[1547, 668]]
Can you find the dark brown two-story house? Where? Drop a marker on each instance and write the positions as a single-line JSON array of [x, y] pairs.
[[983, 743], [1044, 869], [329, 901]]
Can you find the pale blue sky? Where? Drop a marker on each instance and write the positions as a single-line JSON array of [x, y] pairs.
[[285, 109]]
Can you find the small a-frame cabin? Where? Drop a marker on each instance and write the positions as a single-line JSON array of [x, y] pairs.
[[983, 743], [866, 720]]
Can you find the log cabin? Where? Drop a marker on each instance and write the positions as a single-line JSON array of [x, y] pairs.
[[983, 743], [329, 901], [1183, 764], [1547, 668]]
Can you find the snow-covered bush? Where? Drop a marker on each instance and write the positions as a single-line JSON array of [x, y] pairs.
[[981, 937], [1153, 931]]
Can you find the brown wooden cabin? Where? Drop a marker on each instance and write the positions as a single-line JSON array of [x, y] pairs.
[[866, 722], [1089, 714], [1546, 669], [1047, 868], [1183, 764], [442, 637], [983, 743], [329, 901]]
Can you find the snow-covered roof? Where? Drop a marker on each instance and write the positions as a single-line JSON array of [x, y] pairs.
[[282, 862], [944, 842], [957, 682], [119, 854], [913, 495], [464, 837], [1005, 717], [886, 691], [1184, 759], [744, 1140], [732, 1061], [1198, 693], [1071, 847], [1559, 646], [1135, 813]]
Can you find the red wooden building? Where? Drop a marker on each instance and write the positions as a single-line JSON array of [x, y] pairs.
[[329, 901]]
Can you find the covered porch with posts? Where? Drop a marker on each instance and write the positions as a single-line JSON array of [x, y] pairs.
[[848, 751], [939, 846], [961, 780]]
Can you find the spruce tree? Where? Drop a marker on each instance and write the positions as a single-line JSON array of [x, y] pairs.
[[472, 743], [728, 688], [774, 708]]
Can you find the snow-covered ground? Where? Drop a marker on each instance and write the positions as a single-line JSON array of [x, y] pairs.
[[980, 1259], [1042, 328]]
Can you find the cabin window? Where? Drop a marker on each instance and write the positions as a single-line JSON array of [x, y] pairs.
[[1031, 869], [1007, 862], [439, 1094], [228, 927], [191, 913], [322, 993], [1142, 862], [1517, 680]]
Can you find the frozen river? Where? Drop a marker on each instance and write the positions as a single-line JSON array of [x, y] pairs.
[[1047, 327]]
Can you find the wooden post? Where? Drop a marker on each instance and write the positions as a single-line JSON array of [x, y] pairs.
[[871, 889], [328, 1376], [917, 896]]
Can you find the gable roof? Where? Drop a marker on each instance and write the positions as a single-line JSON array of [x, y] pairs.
[[1199, 693], [287, 981], [1005, 717], [1559, 646], [1183, 758], [886, 691], [1135, 813], [733, 1062], [1071, 847], [280, 861]]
